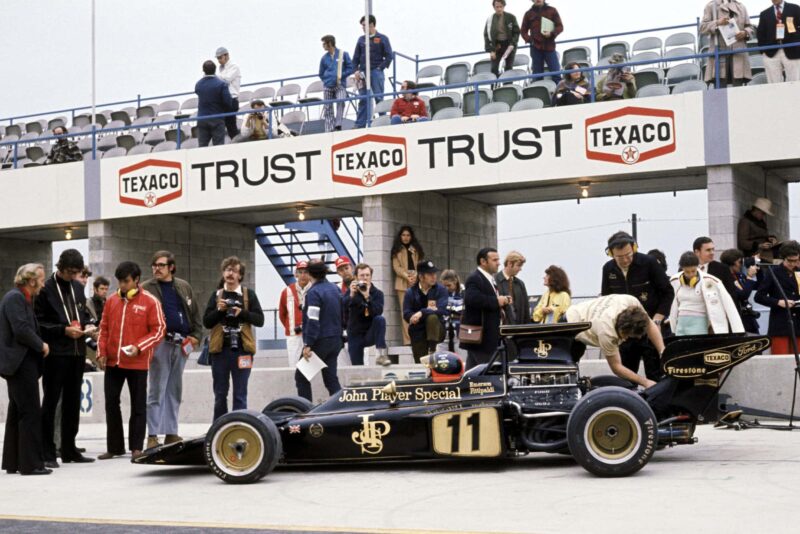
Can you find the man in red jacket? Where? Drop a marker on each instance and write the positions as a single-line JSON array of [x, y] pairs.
[[132, 326], [290, 312], [409, 107]]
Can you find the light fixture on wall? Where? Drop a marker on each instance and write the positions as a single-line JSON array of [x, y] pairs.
[[584, 185], [68, 234], [301, 213]]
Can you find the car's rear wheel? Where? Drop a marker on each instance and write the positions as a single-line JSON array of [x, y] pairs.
[[612, 432], [289, 405], [242, 447]]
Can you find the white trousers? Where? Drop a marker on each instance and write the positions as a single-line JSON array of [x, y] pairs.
[[776, 66], [294, 348]]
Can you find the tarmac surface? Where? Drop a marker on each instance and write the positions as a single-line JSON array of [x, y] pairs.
[[732, 482]]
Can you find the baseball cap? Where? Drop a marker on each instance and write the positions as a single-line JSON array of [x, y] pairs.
[[301, 265], [221, 51], [342, 260], [427, 266]]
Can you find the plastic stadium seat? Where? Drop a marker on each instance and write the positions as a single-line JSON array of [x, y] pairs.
[[127, 141], [34, 126], [85, 145], [168, 106], [483, 77], [540, 92], [653, 57], [294, 120], [146, 111], [190, 143], [484, 65], [448, 113], [514, 73], [189, 105], [165, 146], [383, 120], [384, 106], [106, 142], [683, 39], [281, 96], [510, 94], [493, 108], [114, 124], [757, 64], [648, 44], [29, 137], [121, 116], [34, 152], [168, 117], [314, 88], [141, 121], [430, 71], [678, 52], [522, 60], [155, 136], [544, 82], [23, 162], [13, 129], [759, 79], [527, 103], [652, 90], [688, 86], [266, 93], [684, 71], [140, 149], [647, 77], [172, 134], [617, 47], [456, 73], [455, 96], [576, 53], [115, 153], [81, 120], [469, 101], [246, 96], [440, 102]]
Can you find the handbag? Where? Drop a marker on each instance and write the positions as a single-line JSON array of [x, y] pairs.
[[470, 334], [204, 358]]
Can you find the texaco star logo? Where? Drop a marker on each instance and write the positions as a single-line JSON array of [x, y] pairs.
[[630, 155], [368, 178], [150, 199]]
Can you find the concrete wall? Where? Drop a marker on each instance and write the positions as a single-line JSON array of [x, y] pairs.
[[450, 230], [198, 244], [731, 192], [17, 252]]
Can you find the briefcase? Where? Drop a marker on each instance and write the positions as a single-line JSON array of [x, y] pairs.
[[470, 334]]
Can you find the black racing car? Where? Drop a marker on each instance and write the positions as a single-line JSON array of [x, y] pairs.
[[536, 403]]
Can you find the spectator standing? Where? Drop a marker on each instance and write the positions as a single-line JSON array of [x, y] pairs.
[[541, 24], [777, 25], [133, 325], [409, 107], [344, 268], [701, 304], [334, 68], [184, 331], [213, 98], [752, 235], [704, 249], [380, 57], [64, 150], [734, 68], [254, 125], [629, 272], [322, 329], [509, 283], [483, 307], [231, 75], [290, 311], [769, 294], [556, 300], [61, 312], [573, 88], [231, 314], [21, 361], [96, 303], [366, 325], [618, 83], [500, 37], [406, 253], [746, 281], [424, 309]]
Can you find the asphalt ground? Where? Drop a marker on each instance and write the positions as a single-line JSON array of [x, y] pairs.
[[731, 481]]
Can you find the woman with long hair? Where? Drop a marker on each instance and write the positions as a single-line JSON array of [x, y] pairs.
[[406, 253], [573, 88], [555, 301]]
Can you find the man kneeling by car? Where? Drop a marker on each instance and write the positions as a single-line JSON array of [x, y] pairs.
[[616, 318]]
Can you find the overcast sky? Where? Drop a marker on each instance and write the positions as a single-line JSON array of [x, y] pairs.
[[157, 47]]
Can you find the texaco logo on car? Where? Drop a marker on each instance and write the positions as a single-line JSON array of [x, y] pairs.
[[369, 160], [630, 135], [150, 183]]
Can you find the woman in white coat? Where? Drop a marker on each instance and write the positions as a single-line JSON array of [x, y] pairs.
[[702, 305]]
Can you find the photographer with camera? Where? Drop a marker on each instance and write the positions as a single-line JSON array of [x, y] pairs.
[[254, 125], [787, 274], [231, 314], [424, 308], [290, 311], [745, 274], [366, 325]]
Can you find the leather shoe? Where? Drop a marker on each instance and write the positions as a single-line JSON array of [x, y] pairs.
[[136, 454], [39, 471], [109, 455], [52, 464], [80, 449], [11, 471], [80, 459]]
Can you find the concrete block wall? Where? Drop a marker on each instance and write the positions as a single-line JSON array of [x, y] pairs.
[[17, 252], [199, 246]]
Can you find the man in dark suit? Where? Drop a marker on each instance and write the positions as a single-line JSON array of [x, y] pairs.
[[21, 353], [213, 98], [769, 294], [778, 24], [482, 306], [704, 249], [61, 312]]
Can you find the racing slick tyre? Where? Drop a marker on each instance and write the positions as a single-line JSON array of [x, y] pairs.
[[291, 404], [612, 432], [242, 447], [603, 381]]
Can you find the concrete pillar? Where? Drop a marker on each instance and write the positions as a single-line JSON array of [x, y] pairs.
[[199, 246], [451, 230], [732, 190], [16, 252]]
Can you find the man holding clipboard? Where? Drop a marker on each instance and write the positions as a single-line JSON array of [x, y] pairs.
[[541, 24], [728, 24]]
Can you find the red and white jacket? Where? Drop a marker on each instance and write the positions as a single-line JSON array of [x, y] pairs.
[[290, 309], [138, 321]]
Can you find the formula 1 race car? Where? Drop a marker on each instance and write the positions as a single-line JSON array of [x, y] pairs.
[[537, 402]]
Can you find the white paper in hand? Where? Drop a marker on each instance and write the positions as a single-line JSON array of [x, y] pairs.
[[311, 367]]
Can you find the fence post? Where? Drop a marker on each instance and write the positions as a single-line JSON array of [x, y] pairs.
[[269, 123], [94, 141], [179, 134], [598, 50], [138, 101], [369, 107], [591, 83], [16, 147], [394, 74], [477, 100]]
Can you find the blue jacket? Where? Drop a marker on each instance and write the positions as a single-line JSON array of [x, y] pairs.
[[380, 53], [415, 301], [213, 96], [769, 294], [322, 314], [329, 65]]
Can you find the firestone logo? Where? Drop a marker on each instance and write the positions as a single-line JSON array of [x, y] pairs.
[[369, 160], [630, 135], [150, 183]]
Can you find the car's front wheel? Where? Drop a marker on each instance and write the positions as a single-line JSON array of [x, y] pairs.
[[612, 432], [242, 447], [289, 405]]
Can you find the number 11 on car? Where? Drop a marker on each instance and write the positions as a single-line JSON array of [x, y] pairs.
[[467, 433]]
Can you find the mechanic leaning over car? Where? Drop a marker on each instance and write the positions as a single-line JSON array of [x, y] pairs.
[[629, 272], [616, 319]]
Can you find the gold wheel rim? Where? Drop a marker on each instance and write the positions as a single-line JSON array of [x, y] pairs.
[[612, 435], [238, 448]]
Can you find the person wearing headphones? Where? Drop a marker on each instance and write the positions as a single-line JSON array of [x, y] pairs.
[[132, 327], [629, 272], [701, 304]]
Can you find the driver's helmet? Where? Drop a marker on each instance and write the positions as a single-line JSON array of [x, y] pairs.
[[445, 366]]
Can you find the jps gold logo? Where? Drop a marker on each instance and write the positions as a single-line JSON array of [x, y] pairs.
[[543, 350], [717, 358], [371, 434]]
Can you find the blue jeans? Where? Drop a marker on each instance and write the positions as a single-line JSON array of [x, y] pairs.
[[376, 335], [164, 389], [397, 119], [327, 348], [540, 58], [212, 130], [225, 365], [376, 81]]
